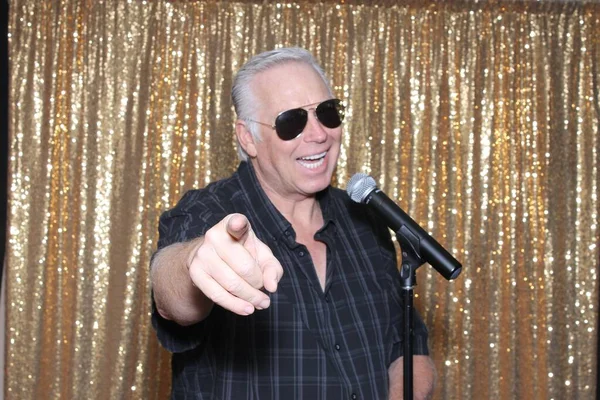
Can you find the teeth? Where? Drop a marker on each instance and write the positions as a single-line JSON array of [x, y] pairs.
[[314, 157], [312, 165]]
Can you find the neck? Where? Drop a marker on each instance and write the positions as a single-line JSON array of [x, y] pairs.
[[298, 210]]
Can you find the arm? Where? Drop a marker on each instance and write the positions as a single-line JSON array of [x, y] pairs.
[[227, 266], [176, 297], [424, 378]]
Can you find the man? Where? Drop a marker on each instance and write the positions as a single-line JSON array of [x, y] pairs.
[[271, 284]]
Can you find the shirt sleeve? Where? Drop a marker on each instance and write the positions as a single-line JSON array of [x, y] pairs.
[[194, 214]]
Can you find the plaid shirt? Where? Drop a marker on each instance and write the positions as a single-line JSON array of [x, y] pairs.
[[310, 343]]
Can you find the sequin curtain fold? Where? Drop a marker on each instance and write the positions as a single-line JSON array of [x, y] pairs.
[[481, 119]]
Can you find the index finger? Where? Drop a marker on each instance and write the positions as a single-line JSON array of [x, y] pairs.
[[237, 225]]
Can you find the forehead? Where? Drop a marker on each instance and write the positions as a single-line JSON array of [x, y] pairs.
[[289, 85]]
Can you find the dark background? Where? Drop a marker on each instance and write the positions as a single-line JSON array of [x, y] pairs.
[[3, 129]]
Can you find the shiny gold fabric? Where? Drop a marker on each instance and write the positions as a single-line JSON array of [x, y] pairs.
[[480, 118]]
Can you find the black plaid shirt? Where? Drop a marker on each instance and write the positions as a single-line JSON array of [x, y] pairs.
[[309, 344]]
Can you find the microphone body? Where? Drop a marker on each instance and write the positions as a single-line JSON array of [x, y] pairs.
[[362, 189]]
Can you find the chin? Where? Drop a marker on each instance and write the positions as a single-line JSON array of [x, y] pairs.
[[316, 186]]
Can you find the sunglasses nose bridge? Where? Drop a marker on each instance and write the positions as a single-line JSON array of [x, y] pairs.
[[313, 111]]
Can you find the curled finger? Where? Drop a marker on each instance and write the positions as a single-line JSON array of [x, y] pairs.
[[211, 289]]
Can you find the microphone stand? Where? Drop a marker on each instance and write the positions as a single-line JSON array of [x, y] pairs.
[[417, 248], [411, 260]]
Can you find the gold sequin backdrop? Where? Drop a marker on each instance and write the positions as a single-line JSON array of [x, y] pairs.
[[480, 118]]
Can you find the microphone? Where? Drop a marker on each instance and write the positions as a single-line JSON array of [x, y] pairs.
[[363, 189]]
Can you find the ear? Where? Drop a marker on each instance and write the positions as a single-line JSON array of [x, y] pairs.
[[245, 138]]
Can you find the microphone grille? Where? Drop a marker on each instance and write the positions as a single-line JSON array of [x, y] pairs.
[[359, 186]]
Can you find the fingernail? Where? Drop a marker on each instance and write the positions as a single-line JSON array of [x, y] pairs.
[[265, 303], [249, 309]]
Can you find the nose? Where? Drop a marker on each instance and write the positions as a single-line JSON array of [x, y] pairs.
[[314, 130]]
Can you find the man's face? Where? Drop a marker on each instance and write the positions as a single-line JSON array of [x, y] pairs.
[[303, 166]]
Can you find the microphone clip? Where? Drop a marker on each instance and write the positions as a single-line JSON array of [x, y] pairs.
[[411, 256]]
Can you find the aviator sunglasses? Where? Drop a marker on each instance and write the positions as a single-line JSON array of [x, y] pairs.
[[290, 124]]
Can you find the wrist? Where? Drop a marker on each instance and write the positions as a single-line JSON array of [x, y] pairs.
[[193, 247]]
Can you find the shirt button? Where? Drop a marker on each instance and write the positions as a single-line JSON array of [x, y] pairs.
[[286, 233], [337, 346], [353, 396], [301, 253]]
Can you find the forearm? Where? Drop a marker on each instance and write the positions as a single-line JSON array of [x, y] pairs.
[[176, 297], [423, 378]]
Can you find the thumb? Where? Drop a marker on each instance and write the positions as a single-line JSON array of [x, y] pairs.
[[238, 226], [272, 273]]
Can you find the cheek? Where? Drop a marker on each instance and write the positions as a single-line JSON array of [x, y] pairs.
[[336, 134], [281, 153], [337, 138]]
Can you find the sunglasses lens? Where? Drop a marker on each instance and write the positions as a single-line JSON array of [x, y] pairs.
[[289, 124], [331, 113]]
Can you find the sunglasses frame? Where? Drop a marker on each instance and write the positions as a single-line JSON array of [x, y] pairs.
[[340, 107]]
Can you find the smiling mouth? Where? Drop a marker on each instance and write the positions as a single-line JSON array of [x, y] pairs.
[[313, 161]]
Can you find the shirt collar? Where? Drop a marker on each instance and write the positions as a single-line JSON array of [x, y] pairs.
[[328, 209], [267, 214]]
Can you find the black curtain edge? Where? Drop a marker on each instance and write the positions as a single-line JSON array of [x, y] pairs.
[[3, 133]]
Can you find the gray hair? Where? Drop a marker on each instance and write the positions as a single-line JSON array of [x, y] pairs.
[[244, 101]]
